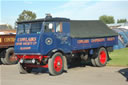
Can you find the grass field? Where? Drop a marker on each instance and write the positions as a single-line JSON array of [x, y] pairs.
[[119, 57]]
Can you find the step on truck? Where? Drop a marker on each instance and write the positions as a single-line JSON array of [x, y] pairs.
[[55, 43], [7, 41]]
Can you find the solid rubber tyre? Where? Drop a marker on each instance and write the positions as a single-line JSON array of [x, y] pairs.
[[56, 64], [93, 62]]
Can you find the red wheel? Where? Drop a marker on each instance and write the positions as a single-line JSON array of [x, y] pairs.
[[103, 57], [56, 64], [100, 57]]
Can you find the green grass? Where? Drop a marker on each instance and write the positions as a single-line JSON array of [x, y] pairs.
[[119, 57]]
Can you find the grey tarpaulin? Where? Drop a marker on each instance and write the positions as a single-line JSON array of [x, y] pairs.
[[90, 29]]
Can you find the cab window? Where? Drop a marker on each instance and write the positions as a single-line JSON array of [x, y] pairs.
[[59, 27], [27, 28], [20, 29], [36, 27], [49, 27]]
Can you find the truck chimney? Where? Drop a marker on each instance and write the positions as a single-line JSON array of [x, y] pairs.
[[48, 16]]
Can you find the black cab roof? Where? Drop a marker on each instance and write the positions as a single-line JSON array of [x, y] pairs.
[[56, 19]]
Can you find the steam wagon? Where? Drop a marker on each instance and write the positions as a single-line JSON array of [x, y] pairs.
[[54, 43]]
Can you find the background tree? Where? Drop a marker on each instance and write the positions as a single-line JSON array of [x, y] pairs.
[[26, 15], [107, 19], [121, 20], [10, 27]]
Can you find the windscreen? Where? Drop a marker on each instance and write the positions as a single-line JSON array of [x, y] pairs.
[[28, 28]]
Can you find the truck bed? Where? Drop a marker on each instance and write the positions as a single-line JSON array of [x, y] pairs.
[[90, 29]]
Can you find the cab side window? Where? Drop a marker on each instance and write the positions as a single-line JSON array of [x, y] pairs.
[[59, 27], [49, 27]]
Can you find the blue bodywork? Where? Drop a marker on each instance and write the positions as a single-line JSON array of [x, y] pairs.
[[104, 43], [28, 47], [45, 42]]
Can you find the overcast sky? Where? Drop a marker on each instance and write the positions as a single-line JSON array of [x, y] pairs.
[[73, 9]]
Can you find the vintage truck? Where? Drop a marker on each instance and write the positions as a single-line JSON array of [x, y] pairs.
[[7, 41], [55, 43]]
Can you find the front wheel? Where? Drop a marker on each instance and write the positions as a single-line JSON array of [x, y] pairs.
[[56, 64]]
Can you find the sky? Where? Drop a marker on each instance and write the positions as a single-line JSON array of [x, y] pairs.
[[73, 9]]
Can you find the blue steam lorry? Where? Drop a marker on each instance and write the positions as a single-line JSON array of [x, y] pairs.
[[55, 43]]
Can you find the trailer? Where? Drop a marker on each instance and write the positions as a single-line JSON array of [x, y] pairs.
[[7, 55], [55, 43]]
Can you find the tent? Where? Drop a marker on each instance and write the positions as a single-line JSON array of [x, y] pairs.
[[122, 38]]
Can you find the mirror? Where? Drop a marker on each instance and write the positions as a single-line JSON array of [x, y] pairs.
[[50, 25]]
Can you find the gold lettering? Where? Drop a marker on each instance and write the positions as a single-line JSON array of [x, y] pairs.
[[9, 39], [0, 40], [31, 39], [97, 40], [25, 48], [82, 41], [18, 43], [111, 39], [26, 41]]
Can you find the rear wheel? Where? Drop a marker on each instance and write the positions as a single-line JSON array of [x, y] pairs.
[[23, 69], [101, 57], [56, 64]]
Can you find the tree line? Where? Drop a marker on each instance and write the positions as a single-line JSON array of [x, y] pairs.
[[110, 19]]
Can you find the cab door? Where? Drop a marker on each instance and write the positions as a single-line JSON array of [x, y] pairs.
[[62, 33], [55, 36], [48, 40]]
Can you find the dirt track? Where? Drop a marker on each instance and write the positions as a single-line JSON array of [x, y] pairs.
[[75, 76]]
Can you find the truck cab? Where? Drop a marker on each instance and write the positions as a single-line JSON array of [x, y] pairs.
[[41, 36]]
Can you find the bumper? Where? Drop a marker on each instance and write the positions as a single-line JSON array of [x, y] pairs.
[[33, 59]]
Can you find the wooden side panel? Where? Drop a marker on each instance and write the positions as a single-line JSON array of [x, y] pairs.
[[7, 40]]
